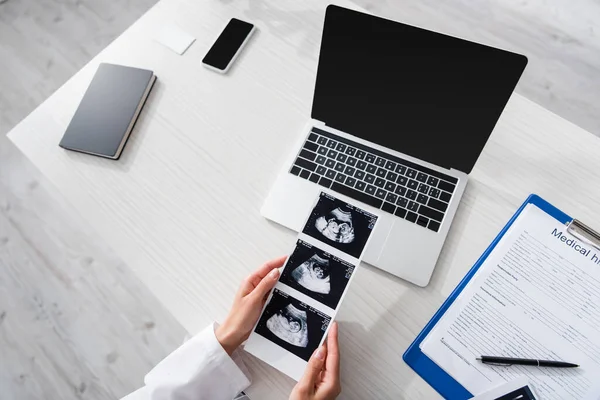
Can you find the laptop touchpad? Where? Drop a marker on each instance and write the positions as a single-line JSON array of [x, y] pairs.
[[378, 239]]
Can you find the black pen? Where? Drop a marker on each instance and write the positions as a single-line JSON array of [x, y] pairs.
[[525, 361]]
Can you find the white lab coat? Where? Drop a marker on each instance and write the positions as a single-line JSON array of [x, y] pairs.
[[200, 369]]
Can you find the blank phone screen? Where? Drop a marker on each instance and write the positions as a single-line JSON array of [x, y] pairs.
[[228, 43]]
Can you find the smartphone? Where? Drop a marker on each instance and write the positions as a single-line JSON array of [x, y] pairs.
[[229, 44]]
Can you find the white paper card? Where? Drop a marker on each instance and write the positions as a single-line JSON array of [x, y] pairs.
[[536, 296], [175, 39], [514, 390], [312, 285]]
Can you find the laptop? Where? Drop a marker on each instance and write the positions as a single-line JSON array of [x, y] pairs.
[[400, 115]]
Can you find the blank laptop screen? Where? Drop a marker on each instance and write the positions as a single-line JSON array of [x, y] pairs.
[[432, 96]]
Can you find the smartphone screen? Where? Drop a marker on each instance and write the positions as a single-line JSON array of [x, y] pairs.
[[227, 45]]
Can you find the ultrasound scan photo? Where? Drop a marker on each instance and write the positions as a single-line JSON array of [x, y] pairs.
[[290, 324], [336, 226], [293, 325], [341, 225], [313, 274], [317, 274]]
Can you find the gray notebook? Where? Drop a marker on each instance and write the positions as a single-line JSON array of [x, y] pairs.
[[108, 111]]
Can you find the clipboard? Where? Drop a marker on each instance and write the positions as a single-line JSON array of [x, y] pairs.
[[435, 376]]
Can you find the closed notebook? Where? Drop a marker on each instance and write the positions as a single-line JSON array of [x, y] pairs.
[[108, 111]]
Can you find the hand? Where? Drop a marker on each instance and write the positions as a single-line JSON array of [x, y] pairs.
[[321, 380], [247, 305]]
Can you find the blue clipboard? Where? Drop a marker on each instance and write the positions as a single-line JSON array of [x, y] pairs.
[[419, 362]]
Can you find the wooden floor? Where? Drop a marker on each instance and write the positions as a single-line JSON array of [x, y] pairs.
[[74, 322]]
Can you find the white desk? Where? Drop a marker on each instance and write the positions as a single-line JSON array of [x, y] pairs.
[[181, 207]]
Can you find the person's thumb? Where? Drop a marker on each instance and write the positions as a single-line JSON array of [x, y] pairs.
[[266, 284], [313, 368]]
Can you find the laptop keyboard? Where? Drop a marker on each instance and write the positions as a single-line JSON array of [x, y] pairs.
[[396, 186]]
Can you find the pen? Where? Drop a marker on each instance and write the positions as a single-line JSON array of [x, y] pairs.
[[525, 361]]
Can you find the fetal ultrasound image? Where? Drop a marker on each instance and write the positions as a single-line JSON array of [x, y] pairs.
[[317, 274], [293, 325], [341, 225]]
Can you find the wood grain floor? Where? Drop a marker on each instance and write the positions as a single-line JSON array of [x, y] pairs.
[[74, 322]]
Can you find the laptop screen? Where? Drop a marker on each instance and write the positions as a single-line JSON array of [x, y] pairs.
[[428, 95]]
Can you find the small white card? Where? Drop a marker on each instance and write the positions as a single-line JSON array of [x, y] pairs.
[[175, 39], [518, 389], [312, 285]]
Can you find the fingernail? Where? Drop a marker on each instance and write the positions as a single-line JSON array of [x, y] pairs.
[[320, 353], [273, 274]]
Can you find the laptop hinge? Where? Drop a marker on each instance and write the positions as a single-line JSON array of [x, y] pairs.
[[318, 123]]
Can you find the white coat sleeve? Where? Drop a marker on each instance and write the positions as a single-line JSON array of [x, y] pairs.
[[200, 369]]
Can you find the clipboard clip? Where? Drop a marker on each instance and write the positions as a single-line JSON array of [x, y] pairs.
[[584, 233]]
